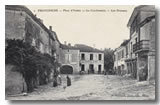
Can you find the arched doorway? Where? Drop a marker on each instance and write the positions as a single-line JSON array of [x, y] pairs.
[[66, 69]]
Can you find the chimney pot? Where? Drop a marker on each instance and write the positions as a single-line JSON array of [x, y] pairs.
[[65, 42], [50, 27]]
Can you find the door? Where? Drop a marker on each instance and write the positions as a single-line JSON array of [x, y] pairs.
[[91, 68], [66, 69]]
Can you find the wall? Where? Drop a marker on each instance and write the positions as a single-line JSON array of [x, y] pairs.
[[145, 32], [120, 60], [151, 54], [70, 57], [55, 45], [20, 25], [95, 61], [14, 24], [13, 81], [38, 33]]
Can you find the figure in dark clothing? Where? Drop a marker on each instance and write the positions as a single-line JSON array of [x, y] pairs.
[[55, 80], [68, 81]]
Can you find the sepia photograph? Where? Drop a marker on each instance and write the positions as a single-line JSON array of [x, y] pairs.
[[80, 52]]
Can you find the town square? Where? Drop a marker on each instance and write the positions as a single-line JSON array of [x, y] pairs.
[[80, 52]]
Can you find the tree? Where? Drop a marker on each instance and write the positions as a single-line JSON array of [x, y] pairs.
[[108, 60], [34, 66]]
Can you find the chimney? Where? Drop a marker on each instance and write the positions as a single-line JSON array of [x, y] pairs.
[[65, 42], [50, 28], [40, 20]]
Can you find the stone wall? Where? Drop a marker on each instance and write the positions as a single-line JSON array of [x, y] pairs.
[[20, 23], [37, 33], [151, 54], [14, 81], [14, 24], [70, 57]]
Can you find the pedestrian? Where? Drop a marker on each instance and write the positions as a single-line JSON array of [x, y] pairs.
[[68, 81], [55, 80], [59, 80]]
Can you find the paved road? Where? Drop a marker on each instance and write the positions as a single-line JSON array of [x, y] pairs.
[[94, 87]]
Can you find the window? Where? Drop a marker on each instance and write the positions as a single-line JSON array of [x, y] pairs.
[[126, 50], [100, 57], [82, 67], [91, 56], [131, 47], [122, 53], [136, 40], [82, 56], [99, 67]]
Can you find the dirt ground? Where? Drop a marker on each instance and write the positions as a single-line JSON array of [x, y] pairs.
[[93, 87]]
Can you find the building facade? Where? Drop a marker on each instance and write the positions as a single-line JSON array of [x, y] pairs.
[[120, 56], [69, 58], [81, 58], [21, 23], [142, 34], [140, 49], [92, 62]]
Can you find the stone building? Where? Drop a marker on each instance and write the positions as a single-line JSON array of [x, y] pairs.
[[69, 58], [140, 49], [81, 58], [91, 59], [21, 23], [120, 55], [142, 42]]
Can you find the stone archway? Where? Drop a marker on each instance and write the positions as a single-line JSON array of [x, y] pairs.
[[66, 69]]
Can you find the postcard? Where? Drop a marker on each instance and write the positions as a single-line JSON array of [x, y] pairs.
[[80, 52]]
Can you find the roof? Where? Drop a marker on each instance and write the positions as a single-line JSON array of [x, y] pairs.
[[25, 9], [54, 34], [138, 9], [125, 42], [85, 48], [63, 46]]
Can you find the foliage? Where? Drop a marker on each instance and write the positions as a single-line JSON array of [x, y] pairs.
[[108, 60], [34, 66]]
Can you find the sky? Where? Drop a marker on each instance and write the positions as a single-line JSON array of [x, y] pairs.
[[98, 26]]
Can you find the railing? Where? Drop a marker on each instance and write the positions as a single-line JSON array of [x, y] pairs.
[[141, 46]]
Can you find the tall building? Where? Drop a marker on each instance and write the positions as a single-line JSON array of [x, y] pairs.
[[21, 23], [142, 35], [120, 56], [140, 49]]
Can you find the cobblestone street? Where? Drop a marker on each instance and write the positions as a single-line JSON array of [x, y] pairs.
[[94, 87]]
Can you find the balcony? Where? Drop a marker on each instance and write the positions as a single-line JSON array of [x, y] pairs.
[[143, 45]]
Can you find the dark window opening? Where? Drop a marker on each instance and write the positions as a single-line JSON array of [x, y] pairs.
[[99, 69], [100, 57], [83, 57], [91, 56], [83, 67]]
